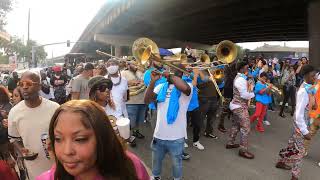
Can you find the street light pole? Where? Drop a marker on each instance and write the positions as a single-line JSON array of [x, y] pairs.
[[33, 51]]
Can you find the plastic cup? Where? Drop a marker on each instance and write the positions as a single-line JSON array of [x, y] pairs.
[[124, 127]]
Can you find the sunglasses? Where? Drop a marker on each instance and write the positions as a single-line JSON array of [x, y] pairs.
[[103, 88], [27, 83]]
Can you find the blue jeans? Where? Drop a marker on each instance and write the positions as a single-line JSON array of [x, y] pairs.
[[136, 113], [160, 148]]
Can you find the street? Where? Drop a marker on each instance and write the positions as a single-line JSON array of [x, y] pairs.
[[218, 163]]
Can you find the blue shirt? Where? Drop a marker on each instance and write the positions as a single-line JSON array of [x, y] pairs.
[[254, 73], [262, 98], [194, 102], [147, 80]]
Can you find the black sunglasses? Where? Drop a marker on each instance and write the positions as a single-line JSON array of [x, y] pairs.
[[103, 88]]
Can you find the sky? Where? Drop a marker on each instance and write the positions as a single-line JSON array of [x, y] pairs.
[[61, 20], [52, 21]]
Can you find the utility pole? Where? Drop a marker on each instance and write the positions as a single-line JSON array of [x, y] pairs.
[[28, 26]]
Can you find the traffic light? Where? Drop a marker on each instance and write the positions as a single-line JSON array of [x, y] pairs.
[[68, 43]]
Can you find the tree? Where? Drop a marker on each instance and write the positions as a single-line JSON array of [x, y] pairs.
[[5, 7], [17, 47], [40, 54]]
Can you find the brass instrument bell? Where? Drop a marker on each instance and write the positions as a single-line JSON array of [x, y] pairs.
[[218, 74], [143, 48], [204, 58], [226, 51]]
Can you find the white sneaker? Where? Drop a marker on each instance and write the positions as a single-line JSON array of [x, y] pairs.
[[267, 123], [186, 145], [319, 164], [198, 145]]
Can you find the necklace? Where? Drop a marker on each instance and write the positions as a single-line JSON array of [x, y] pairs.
[[115, 84]]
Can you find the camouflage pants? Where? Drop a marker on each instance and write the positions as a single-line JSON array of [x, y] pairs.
[[240, 122], [293, 153], [225, 111]]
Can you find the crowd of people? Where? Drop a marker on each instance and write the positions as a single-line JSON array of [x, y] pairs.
[[55, 124]]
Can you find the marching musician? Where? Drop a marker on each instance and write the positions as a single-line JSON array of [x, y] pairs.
[[193, 109], [295, 150], [173, 98], [314, 117], [208, 102], [255, 67], [135, 105], [230, 73], [263, 98], [147, 79], [242, 92]]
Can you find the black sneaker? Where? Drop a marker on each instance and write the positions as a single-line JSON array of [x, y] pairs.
[[210, 135], [185, 156], [132, 141], [137, 134], [156, 178]]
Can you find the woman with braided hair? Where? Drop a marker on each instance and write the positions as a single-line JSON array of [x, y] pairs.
[[100, 88]]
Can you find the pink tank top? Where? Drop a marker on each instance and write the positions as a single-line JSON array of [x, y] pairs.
[[140, 170]]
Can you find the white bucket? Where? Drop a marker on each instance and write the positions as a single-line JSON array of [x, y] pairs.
[[124, 127]]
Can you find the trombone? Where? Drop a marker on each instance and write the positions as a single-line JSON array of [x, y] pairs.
[[106, 54], [145, 50]]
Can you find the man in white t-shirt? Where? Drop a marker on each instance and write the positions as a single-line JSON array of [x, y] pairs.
[[173, 98], [119, 88], [29, 120]]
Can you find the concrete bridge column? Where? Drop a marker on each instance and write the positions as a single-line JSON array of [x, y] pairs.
[[117, 51], [314, 32]]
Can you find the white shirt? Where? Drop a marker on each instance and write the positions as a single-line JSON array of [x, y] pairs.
[[178, 129], [118, 94], [241, 84], [51, 94], [30, 124], [302, 103]]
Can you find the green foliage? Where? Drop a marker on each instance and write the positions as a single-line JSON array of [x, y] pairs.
[[17, 47], [40, 52], [5, 7], [4, 59]]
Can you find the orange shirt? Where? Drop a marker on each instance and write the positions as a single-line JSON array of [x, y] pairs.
[[315, 114]]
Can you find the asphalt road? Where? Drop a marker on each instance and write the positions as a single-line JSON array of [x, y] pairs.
[[218, 163]]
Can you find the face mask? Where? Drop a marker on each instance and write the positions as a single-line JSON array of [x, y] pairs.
[[113, 69]]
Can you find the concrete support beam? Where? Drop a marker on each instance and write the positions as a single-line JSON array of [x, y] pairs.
[[121, 40], [117, 51], [314, 33]]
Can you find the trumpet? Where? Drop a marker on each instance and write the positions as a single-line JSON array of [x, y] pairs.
[[274, 89]]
